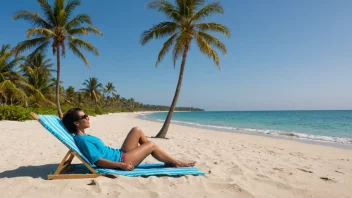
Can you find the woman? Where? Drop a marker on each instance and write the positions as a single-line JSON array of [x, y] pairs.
[[129, 156]]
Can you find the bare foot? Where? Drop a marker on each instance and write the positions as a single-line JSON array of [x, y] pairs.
[[184, 164], [180, 164], [169, 165]]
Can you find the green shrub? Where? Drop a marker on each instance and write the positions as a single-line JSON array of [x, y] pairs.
[[19, 113], [43, 110], [11, 112], [98, 110]]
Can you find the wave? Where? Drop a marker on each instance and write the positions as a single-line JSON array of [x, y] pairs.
[[261, 131]]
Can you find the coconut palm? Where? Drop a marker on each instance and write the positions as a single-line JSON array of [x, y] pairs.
[[186, 24], [37, 70], [115, 99], [61, 28], [109, 89], [11, 82], [93, 89], [70, 94], [131, 102]]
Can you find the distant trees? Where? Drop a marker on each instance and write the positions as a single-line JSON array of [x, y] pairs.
[[93, 89]]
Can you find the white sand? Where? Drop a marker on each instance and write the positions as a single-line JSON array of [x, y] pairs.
[[236, 165]]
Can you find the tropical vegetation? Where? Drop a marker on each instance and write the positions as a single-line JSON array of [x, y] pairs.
[[27, 85], [32, 83]]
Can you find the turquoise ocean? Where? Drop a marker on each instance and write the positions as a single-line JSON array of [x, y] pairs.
[[323, 126]]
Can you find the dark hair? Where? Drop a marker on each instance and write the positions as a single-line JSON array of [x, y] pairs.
[[69, 118]]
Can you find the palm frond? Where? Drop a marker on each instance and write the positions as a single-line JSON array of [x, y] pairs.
[[40, 49], [33, 18], [214, 27], [85, 31], [196, 3], [39, 97], [13, 63], [17, 76], [43, 32], [167, 8], [47, 63], [10, 86], [70, 6], [187, 8], [159, 31], [166, 48], [208, 10], [61, 18], [4, 49], [7, 63], [78, 53], [46, 8], [206, 49], [59, 9], [27, 44], [213, 42], [78, 21], [83, 44], [179, 46], [24, 84]]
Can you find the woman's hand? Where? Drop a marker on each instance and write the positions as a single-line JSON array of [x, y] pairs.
[[128, 166]]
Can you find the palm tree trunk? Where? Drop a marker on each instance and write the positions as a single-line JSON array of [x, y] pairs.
[[58, 83], [163, 131]]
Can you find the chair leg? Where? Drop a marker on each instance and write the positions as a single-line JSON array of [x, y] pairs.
[[73, 176], [64, 163], [87, 165]]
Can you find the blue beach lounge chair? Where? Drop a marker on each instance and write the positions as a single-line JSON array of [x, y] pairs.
[[87, 170]]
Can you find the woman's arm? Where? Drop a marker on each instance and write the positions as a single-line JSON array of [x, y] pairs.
[[110, 164]]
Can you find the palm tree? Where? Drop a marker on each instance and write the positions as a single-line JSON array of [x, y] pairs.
[[37, 70], [131, 102], [11, 82], [185, 26], [59, 26], [93, 89], [80, 99], [109, 89], [70, 94], [124, 102], [115, 98]]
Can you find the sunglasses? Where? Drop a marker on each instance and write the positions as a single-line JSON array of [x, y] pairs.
[[85, 116]]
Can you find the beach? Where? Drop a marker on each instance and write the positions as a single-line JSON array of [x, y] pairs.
[[236, 165]]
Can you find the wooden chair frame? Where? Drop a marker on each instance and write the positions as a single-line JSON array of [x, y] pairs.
[[66, 162]]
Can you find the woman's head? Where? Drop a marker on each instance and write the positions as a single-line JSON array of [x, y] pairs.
[[75, 119]]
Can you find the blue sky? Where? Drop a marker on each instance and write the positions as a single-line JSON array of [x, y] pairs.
[[282, 55]]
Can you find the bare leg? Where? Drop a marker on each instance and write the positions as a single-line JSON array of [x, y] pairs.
[[134, 137], [137, 155]]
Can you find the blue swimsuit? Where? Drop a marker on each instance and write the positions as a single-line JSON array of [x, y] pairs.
[[93, 149]]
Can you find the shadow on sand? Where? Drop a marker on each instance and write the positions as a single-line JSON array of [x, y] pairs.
[[40, 171]]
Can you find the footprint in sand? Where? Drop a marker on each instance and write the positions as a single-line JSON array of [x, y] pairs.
[[95, 185], [327, 179], [278, 169], [304, 170]]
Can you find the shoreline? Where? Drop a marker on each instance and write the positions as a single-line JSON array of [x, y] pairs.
[[275, 136]]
